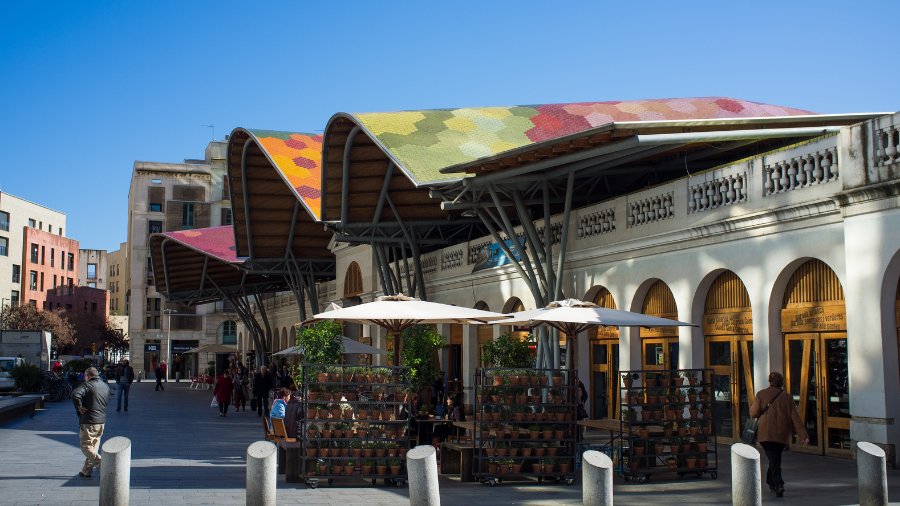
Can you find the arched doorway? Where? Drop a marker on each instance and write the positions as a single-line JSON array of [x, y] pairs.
[[514, 305], [353, 287], [814, 326], [485, 333], [728, 332], [604, 343], [659, 345]]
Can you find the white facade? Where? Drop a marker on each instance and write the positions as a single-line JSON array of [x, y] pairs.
[[832, 199], [16, 214]]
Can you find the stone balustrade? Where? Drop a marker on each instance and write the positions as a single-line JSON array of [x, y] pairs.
[[809, 164], [652, 209]]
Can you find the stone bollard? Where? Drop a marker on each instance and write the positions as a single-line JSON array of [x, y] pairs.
[[115, 472], [872, 468], [597, 479], [746, 483], [262, 464], [421, 468]]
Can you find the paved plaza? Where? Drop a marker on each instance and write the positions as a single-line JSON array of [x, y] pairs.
[[183, 453]]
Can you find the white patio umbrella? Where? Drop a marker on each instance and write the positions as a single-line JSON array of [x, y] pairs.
[[350, 346], [397, 313], [212, 348], [573, 316]]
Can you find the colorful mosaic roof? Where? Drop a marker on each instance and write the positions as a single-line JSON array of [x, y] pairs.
[[298, 157], [424, 142], [216, 242]]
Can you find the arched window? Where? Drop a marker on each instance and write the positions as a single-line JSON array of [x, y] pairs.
[[353, 283]]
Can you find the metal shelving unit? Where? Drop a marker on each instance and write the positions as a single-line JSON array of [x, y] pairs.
[[524, 425], [667, 424], [356, 423]]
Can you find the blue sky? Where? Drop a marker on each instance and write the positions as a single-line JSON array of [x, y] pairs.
[[87, 88]]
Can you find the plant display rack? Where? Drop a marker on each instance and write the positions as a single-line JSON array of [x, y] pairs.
[[524, 425], [667, 424], [356, 423]]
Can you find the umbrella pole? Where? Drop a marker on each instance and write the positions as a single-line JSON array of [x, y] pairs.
[[396, 336]]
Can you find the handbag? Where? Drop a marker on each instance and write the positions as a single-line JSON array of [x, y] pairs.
[[214, 403], [751, 426]]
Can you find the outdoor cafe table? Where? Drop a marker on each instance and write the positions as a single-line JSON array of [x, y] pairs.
[[426, 426]]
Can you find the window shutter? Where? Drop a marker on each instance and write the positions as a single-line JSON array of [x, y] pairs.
[[156, 195], [173, 216], [201, 215]]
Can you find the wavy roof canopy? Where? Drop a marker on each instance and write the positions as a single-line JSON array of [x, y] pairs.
[[424, 142], [283, 171], [196, 266]]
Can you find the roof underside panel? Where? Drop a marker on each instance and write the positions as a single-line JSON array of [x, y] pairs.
[[424, 142]]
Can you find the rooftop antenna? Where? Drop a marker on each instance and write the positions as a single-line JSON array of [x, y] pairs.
[[213, 131]]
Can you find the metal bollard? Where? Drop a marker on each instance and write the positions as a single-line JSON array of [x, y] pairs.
[[115, 472], [421, 467], [261, 473], [597, 479], [872, 469], [746, 483]]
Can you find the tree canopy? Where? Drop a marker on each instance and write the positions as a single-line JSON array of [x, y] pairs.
[[28, 317]]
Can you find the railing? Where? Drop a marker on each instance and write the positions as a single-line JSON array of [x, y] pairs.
[[652, 209], [789, 170]]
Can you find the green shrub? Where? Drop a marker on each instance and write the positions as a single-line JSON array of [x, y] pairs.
[[321, 342], [28, 377], [420, 346], [507, 351]]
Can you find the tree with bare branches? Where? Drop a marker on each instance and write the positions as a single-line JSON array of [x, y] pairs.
[[28, 317]]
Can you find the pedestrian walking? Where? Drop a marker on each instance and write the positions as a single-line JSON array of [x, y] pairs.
[[240, 400], [778, 421], [159, 373], [262, 383], [90, 399], [223, 389], [124, 378], [165, 369]]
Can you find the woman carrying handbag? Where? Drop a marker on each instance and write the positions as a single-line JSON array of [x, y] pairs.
[[778, 421]]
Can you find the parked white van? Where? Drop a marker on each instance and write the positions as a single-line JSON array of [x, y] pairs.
[[7, 364]]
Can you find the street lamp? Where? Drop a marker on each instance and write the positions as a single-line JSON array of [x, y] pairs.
[[169, 313]]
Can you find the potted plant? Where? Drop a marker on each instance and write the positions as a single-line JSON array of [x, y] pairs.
[[539, 451], [311, 451], [547, 433], [643, 432], [379, 450], [560, 433], [557, 378], [690, 461], [692, 395], [675, 444], [628, 379], [348, 467], [701, 444], [548, 465], [527, 450], [671, 464], [493, 467], [395, 467], [366, 467], [564, 466], [381, 467], [391, 450], [516, 466], [667, 430], [638, 448], [534, 431]]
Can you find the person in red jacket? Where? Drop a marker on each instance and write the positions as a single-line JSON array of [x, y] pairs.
[[223, 389]]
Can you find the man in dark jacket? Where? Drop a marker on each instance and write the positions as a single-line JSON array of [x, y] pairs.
[[159, 375], [293, 415], [124, 378], [90, 399], [262, 383]]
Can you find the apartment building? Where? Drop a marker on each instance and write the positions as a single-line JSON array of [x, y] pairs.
[[164, 197], [34, 252], [117, 281]]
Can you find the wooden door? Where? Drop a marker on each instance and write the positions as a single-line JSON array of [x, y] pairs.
[[659, 353], [817, 379], [731, 359], [605, 390]]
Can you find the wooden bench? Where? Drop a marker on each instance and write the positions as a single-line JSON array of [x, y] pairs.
[[288, 452], [456, 458]]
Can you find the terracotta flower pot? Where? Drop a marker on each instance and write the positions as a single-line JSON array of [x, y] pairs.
[[564, 467], [381, 470], [395, 470], [311, 452], [365, 470]]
